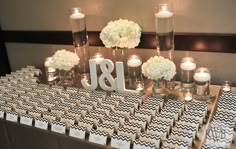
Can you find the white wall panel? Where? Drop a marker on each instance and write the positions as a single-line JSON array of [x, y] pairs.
[[209, 16]]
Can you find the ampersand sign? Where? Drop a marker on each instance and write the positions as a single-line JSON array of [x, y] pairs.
[[107, 67]]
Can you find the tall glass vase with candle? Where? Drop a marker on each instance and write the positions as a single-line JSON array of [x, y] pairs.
[[80, 39], [202, 79], [164, 22]]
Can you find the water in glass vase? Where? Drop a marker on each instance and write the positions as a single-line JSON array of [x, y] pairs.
[[165, 34], [165, 41], [79, 31], [80, 38]]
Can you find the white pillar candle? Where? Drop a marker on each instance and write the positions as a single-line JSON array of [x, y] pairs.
[[134, 61], [202, 76], [188, 64], [163, 12]]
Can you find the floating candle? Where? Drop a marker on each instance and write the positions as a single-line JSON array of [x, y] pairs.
[[134, 61], [163, 11], [76, 14], [202, 75], [98, 58], [188, 64]]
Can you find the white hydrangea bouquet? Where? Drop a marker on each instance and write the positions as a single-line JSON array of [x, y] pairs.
[[158, 67], [121, 34], [64, 60]]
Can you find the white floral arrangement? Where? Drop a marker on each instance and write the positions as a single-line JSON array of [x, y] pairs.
[[158, 67], [121, 34], [64, 60]]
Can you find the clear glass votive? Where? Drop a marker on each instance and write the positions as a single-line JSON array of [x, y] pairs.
[[188, 94], [139, 86], [202, 79], [226, 86], [134, 63], [187, 68], [51, 72], [78, 25]]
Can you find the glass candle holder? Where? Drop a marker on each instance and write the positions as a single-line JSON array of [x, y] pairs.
[[134, 63], [226, 86], [187, 68], [80, 40], [164, 22], [188, 94], [50, 71], [98, 58], [139, 86], [202, 79], [78, 25]]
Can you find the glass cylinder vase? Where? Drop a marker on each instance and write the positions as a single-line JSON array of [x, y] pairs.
[[187, 68], [159, 87], [202, 79], [164, 22], [80, 40]]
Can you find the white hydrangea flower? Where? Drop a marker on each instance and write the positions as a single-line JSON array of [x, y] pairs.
[[158, 67], [64, 60], [121, 33]]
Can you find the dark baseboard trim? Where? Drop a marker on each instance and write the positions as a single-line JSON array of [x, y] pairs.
[[200, 42]]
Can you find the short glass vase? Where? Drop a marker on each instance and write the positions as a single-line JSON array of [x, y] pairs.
[[66, 77], [159, 87]]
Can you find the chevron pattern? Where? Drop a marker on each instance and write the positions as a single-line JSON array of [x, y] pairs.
[[116, 113], [144, 144], [81, 128], [99, 132], [121, 137]]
